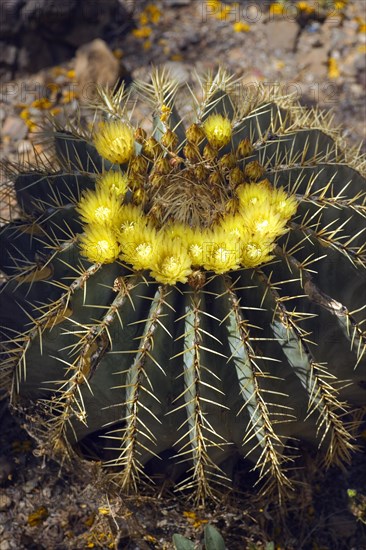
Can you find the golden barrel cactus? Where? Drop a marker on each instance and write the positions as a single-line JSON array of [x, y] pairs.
[[196, 291]]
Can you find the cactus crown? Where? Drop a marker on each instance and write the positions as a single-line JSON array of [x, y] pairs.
[[199, 290], [193, 206]]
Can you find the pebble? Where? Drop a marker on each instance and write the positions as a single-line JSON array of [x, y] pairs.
[[47, 492], [24, 146], [15, 128], [5, 502], [95, 65], [5, 545], [30, 485], [162, 523]]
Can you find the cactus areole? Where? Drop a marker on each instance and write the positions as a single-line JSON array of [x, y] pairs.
[[196, 291]]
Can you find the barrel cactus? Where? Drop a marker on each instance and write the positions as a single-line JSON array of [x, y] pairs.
[[194, 293]]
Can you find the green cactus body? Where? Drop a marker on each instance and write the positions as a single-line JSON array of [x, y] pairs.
[[114, 362]]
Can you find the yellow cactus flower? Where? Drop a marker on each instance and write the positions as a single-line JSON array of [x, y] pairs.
[[32, 126], [222, 252], [339, 5], [217, 129], [223, 13], [41, 103], [115, 141], [284, 204], [305, 7], [177, 230], [263, 221], [115, 182], [139, 247], [253, 193], [213, 4], [255, 251], [153, 13], [99, 244], [99, 207], [131, 217], [142, 32], [68, 96], [193, 240], [165, 113], [232, 224], [276, 8], [239, 26], [172, 263], [333, 68], [197, 240], [24, 114], [143, 19]]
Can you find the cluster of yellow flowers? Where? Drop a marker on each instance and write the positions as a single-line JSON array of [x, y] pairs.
[[285, 7], [226, 12], [148, 18], [118, 229]]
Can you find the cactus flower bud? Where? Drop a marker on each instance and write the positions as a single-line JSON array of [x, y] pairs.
[[114, 141], [218, 130]]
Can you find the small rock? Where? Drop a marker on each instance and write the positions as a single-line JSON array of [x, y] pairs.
[[162, 523], [357, 89], [5, 502], [15, 128], [95, 65], [24, 147], [313, 27], [5, 545], [47, 492], [30, 485]]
